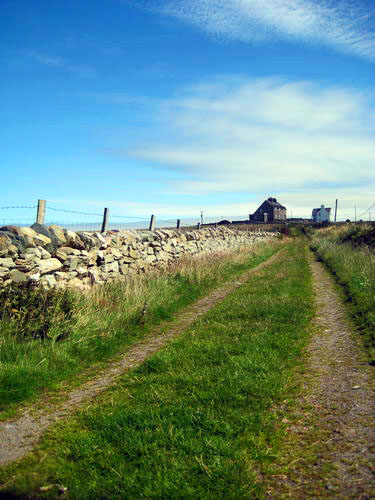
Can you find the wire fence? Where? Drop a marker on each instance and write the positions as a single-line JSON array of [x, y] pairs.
[[80, 220], [77, 220]]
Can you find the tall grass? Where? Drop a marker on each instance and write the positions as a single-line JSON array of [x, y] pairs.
[[354, 268], [358, 235], [108, 319]]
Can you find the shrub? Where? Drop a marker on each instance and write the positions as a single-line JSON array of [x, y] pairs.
[[36, 310], [359, 235]]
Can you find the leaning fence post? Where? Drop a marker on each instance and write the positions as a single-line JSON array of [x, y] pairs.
[[105, 220], [152, 223], [41, 211], [178, 223]]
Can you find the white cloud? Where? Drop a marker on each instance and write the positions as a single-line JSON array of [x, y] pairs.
[[265, 137], [347, 26]]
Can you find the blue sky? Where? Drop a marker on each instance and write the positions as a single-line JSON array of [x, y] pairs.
[[176, 106]]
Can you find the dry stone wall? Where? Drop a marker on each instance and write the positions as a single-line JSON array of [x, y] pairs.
[[57, 257]]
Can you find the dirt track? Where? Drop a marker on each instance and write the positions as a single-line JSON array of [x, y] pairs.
[[331, 443], [19, 436], [330, 446]]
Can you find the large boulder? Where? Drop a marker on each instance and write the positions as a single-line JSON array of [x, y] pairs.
[[6, 245], [89, 241], [43, 235], [58, 233], [103, 242], [73, 240], [111, 267], [116, 253], [149, 259], [7, 262], [69, 251], [4, 271], [49, 265], [163, 256], [134, 254], [17, 276], [126, 236], [36, 252], [43, 241], [71, 263], [25, 233], [48, 281], [17, 240]]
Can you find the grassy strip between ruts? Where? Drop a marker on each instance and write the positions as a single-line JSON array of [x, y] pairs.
[[354, 269], [196, 420], [108, 319]]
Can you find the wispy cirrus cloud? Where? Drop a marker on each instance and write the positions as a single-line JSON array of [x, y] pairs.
[[346, 26], [51, 61]]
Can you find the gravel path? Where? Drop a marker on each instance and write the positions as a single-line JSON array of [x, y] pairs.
[[331, 444], [19, 436]]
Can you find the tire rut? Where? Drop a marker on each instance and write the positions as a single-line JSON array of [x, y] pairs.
[[335, 415], [18, 437]]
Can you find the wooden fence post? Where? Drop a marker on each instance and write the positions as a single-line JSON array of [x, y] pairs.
[[152, 223], [41, 211], [178, 223], [105, 220]]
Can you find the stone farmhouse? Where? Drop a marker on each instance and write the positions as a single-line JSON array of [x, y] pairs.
[[321, 214], [269, 211]]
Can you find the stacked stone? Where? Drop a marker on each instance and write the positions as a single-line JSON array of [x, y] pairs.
[[54, 256]]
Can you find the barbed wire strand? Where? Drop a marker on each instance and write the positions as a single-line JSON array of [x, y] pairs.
[[158, 221], [94, 214], [20, 206]]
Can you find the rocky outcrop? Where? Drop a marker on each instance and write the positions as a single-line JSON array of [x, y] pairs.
[[57, 257]]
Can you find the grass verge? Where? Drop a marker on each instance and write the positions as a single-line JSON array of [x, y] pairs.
[[196, 420], [354, 270], [106, 320]]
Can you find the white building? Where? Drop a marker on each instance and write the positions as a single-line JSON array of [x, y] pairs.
[[321, 214]]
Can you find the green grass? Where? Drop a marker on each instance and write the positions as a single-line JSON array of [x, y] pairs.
[[105, 321], [198, 419], [354, 269]]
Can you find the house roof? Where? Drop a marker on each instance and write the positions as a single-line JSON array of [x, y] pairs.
[[316, 210], [274, 203]]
